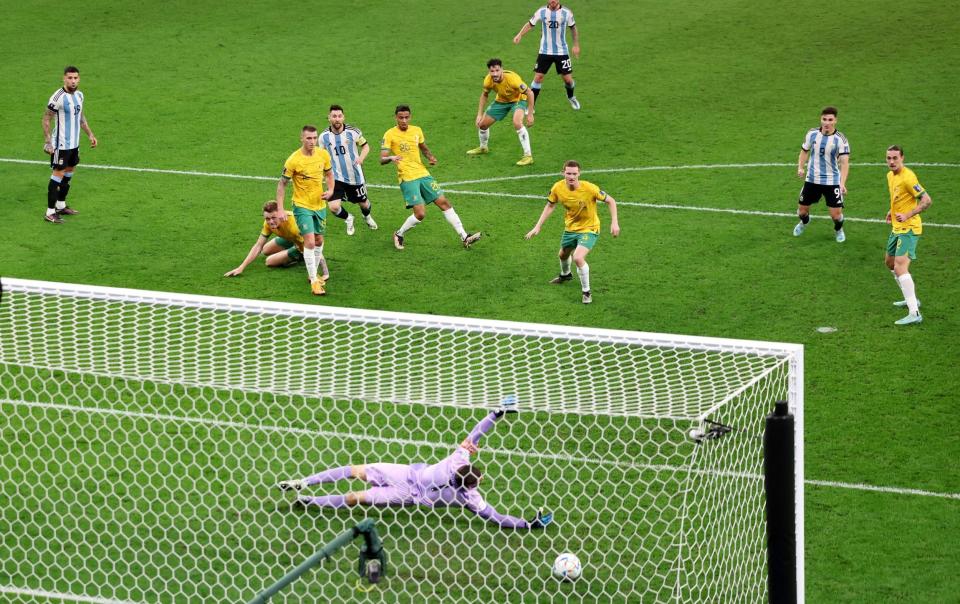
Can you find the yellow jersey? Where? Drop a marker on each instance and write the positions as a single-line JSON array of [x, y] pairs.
[[288, 230], [905, 190], [581, 206], [307, 173], [510, 88], [406, 144]]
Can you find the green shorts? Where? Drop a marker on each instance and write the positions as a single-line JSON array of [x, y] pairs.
[[498, 110], [292, 252], [420, 191], [587, 240], [310, 221], [903, 244]]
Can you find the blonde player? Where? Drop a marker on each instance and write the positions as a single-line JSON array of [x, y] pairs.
[[581, 223], [907, 199], [307, 167], [401, 145], [513, 98], [285, 249]]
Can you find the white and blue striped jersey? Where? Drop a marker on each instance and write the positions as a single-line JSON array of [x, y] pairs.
[[553, 29], [344, 150], [823, 166], [69, 110]]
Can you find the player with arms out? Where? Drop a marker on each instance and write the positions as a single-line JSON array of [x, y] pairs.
[[453, 481], [401, 145], [307, 167], [554, 21], [342, 141], [907, 199], [62, 144], [581, 223], [825, 161], [513, 98], [285, 249]]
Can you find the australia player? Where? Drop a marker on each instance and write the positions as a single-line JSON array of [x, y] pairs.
[[453, 481], [286, 247], [513, 99], [581, 223], [402, 145], [308, 167]]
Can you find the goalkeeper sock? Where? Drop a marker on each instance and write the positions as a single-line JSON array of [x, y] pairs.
[[408, 224], [451, 215], [524, 137], [329, 501], [565, 266], [331, 475], [584, 273]]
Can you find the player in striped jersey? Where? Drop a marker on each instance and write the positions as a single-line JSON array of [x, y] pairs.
[[907, 199], [342, 141], [825, 161], [554, 20], [514, 99], [63, 142]]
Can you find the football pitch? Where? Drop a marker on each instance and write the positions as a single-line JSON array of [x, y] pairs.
[[692, 119]]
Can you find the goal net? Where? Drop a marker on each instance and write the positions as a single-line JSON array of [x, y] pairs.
[[144, 434]]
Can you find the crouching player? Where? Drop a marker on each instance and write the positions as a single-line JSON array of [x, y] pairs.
[[451, 482], [284, 249]]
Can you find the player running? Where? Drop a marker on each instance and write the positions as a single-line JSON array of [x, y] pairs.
[[453, 481]]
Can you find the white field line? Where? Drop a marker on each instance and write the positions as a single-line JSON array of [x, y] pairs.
[[447, 446], [54, 595], [637, 204]]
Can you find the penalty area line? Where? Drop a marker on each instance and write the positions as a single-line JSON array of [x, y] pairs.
[[637, 204], [56, 595]]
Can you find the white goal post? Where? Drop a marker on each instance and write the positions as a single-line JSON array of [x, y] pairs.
[[144, 434]]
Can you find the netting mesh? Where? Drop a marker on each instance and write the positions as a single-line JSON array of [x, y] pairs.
[[143, 439]]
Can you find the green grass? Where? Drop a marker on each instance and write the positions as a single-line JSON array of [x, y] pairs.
[[210, 87]]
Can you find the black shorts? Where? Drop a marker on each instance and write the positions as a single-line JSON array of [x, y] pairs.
[[65, 158], [562, 62], [348, 192], [812, 192]]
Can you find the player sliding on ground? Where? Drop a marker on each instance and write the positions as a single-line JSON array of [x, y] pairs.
[[451, 482]]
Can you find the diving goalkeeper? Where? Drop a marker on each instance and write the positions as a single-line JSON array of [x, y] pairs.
[[451, 482]]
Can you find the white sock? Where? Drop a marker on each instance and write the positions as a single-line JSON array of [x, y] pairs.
[[51, 211], [310, 259], [61, 204], [321, 262], [408, 224], [484, 137], [565, 267], [909, 292], [451, 215], [584, 273], [524, 137]]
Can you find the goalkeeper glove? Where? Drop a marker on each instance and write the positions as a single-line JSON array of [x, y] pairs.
[[541, 519], [291, 485]]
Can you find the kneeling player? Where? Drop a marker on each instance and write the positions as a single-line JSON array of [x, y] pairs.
[[451, 482], [284, 249]]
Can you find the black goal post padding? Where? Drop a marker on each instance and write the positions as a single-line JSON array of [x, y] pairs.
[[780, 485]]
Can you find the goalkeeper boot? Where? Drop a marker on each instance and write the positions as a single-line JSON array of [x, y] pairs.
[[292, 485], [471, 238], [561, 278], [526, 160], [909, 319], [478, 151]]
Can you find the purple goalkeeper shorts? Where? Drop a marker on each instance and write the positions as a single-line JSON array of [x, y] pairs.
[[390, 485]]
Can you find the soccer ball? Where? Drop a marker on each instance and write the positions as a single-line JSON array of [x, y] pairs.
[[567, 567]]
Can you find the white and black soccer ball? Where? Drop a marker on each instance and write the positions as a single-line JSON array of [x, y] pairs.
[[567, 568]]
